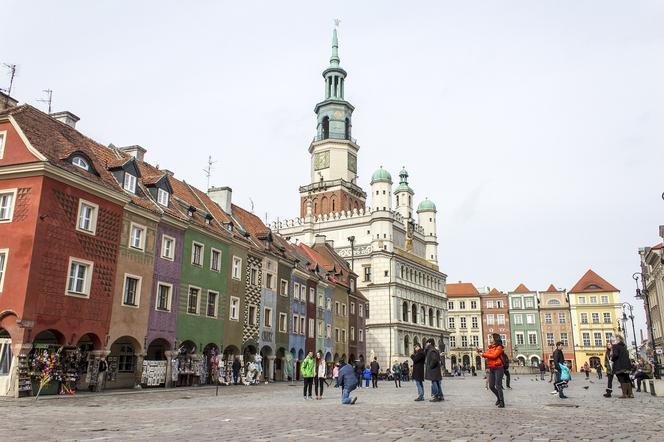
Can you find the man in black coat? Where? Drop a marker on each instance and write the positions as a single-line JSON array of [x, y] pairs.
[[558, 358], [418, 371], [432, 371], [375, 368]]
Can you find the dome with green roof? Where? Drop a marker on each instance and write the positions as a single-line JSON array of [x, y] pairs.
[[426, 206], [381, 175], [403, 183]]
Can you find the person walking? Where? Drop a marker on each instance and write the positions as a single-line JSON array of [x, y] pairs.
[[432, 371], [307, 370], [375, 369], [609, 371], [418, 371], [643, 371], [359, 371], [367, 377], [542, 370], [335, 375], [347, 382], [558, 358], [236, 370], [396, 372], [552, 371], [622, 366], [598, 368], [494, 360], [405, 371], [506, 369], [586, 370], [319, 375]]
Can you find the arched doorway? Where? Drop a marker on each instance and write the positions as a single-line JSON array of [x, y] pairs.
[[210, 352], [279, 362], [478, 362], [123, 363], [521, 360], [5, 361], [415, 341], [362, 360], [157, 350], [230, 353], [534, 360], [453, 360], [465, 361], [47, 346], [85, 360], [265, 364], [406, 345], [593, 361]]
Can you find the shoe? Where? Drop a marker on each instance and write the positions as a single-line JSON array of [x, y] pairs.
[[354, 400], [497, 402], [563, 397], [608, 393], [638, 390], [509, 387], [501, 405], [419, 399], [554, 392], [435, 399]]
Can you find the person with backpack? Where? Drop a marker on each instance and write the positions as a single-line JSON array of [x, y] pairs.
[[396, 372], [494, 360], [558, 359], [432, 371]]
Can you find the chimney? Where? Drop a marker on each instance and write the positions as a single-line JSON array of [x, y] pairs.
[[135, 151], [167, 172], [319, 239], [6, 101], [66, 117], [330, 242], [222, 196]]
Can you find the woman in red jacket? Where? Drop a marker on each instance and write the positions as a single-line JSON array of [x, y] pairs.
[[494, 360]]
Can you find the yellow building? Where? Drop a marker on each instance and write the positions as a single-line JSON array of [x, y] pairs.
[[595, 309]]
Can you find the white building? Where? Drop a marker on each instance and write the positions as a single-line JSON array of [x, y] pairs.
[[394, 251]]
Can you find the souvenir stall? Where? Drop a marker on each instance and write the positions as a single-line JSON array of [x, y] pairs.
[[54, 370], [189, 367], [154, 373]]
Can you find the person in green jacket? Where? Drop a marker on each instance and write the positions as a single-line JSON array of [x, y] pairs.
[[396, 372], [307, 372]]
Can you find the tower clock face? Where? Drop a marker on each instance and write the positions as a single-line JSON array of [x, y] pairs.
[[322, 160], [352, 162], [337, 115]]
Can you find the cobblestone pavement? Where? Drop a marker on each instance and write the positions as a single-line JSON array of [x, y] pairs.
[[278, 412]]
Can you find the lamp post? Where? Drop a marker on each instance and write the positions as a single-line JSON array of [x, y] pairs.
[[631, 317], [351, 240], [643, 294]]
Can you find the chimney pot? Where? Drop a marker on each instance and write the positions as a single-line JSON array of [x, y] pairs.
[[66, 117], [168, 172], [6, 101], [223, 196], [135, 151], [319, 239]]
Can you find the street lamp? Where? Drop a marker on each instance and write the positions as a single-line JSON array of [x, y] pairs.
[[643, 294], [631, 317], [351, 240]]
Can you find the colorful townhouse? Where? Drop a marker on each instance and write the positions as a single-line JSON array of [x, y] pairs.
[[496, 318], [525, 326], [556, 324], [465, 324], [595, 310]]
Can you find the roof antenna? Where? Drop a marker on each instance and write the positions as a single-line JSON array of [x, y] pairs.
[[49, 100], [208, 171], [12, 74], [252, 205]]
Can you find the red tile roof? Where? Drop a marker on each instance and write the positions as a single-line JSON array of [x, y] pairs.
[[592, 282], [551, 289], [494, 291], [521, 289], [461, 289]]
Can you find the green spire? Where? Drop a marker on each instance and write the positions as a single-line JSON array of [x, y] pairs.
[[403, 182], [334, 59]]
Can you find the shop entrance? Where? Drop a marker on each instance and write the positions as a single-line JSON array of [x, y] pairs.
[[155, 364], [123, 363], [210, 374], [46, 363], [188, 364], [231, 353], [5, 361]]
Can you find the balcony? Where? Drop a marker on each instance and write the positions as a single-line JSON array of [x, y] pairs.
[[334, 136]]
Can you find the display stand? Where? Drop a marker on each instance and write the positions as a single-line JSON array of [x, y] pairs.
[[23, 372]]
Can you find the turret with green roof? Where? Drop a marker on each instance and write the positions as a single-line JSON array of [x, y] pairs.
[[426, 206], [381, 175]]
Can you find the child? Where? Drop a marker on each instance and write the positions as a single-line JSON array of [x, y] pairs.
[[564, 380], [367, 376]]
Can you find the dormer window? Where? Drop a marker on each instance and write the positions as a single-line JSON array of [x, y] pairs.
[[162, 197], [80, 162], [129, 182]]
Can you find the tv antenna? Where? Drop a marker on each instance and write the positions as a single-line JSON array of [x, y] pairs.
[[49, 99], [208, 170], [252, 205], [12, 74], [337, 22]]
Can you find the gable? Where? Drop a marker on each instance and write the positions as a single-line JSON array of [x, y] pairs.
[[15, 149]]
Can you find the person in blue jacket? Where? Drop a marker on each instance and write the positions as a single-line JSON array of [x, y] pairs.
[[347, 382], [367, 377]]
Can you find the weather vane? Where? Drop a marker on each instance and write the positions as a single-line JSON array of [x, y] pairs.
[[337, 22]]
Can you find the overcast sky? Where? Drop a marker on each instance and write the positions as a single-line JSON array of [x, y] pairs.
[[536, 127]]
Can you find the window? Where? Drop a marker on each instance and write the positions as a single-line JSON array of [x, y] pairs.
[[530, 302], [131, 292], [312, 295], [547, 318], [253, 276], [532, 338], [328, 331], [352, 308], [162, 197], [464, 341], [366, 309], [462, 305], [584, 318], [604, 299], [295, 324], [303, 292], [126, 359], [164, 297], [489, 319], [450, 323], [499, 304], [473, 305], [192, 300], [450, 305], [7, 205], [489, 304], [269, 281], [595, 317], [320, 328], [129, 182], [215, 260], [302, 325], [197, 253], [80, 162], [561, 318], [296, 290], [367, 273], [80, 277], [311, 328], [608, 336], [476, 341], [462, 322], [516, 303], [283, 322], [564, 339], [453, 341], [582, 299], [168, 247], [530, 319], [519, 338], [473, 322], [284, 287], [343, 309], [336, 335], [593, 299], [361, 311], [360, 336], [586, 339], [607, 318], [234, 311], [549, 339], [87, 217], [352, 285], [500, 319], [213, 299], [3, 266], [518, 319], [251, 315], [598, 339], [137, 236], [3, 137], [328, 305], [321, 300], [237, 268], [503, 338], [5, 353], [337, 308], [267, 317]]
